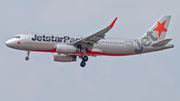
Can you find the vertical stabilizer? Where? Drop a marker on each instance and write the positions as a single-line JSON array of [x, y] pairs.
[[158, 31]]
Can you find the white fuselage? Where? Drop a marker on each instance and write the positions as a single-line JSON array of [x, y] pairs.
[[107, 46]]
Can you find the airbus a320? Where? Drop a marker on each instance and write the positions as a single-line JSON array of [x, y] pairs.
[[67, 48]]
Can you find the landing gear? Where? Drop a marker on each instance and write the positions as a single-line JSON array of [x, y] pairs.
[[27, 57], [84, 58], [83, 64]]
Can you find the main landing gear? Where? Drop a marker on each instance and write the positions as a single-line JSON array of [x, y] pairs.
[[83, 64], [27, 57], [84, 58]]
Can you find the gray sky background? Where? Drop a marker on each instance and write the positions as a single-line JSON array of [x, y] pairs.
[[148, 77]]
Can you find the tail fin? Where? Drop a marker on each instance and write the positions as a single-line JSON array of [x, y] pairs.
[[158, 31]]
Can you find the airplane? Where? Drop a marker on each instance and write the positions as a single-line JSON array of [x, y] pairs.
[[67, 48]]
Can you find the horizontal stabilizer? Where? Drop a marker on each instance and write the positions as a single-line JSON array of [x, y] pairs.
[[161, 43]]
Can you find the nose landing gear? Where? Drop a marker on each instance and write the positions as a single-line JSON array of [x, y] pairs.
[[27, 57]]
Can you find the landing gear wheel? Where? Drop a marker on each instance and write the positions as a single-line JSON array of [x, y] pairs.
[[83, 64], [85, 58], [27, 58]]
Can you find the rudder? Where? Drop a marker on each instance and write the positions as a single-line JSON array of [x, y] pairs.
[[158, 31]]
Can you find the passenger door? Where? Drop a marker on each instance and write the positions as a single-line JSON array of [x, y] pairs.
[[28, 38]]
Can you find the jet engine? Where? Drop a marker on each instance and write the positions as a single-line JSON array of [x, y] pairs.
[[64, 58], [67, 49]]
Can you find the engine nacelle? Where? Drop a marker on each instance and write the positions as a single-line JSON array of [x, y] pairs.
[[64, 58], [67, 49]]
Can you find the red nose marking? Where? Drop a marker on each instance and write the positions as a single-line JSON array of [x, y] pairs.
[[18, 42]]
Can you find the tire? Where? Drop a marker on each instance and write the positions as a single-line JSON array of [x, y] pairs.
[[85, 58], [83, 64], [27, 58]]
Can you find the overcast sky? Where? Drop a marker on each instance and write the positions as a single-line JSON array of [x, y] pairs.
[[147, 77]]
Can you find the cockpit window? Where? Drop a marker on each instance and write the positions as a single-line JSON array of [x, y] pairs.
[[17, 36]]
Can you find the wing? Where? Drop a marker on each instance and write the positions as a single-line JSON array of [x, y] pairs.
[[89, 41]]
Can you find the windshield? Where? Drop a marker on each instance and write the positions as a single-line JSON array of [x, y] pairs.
[[17, 37]]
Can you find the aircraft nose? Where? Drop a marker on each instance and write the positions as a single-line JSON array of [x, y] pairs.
[[9, 43]]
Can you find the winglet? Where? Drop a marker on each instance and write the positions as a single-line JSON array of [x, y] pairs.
[[112, 24]]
